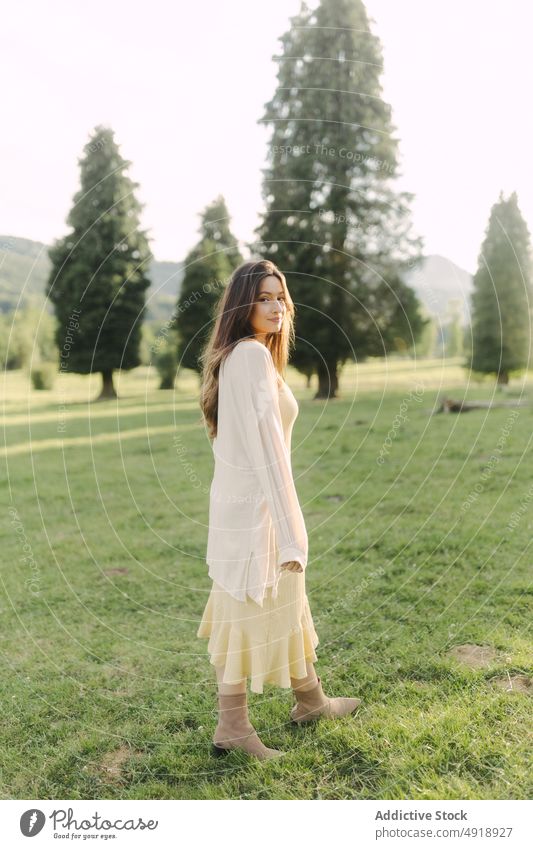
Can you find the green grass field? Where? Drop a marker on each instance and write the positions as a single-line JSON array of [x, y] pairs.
[[420, 531]]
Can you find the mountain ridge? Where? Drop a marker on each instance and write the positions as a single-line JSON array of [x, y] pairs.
[[25, 268]]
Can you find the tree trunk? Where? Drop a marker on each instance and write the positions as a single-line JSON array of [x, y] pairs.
[[503, 378], [328, 382], [108, 389]]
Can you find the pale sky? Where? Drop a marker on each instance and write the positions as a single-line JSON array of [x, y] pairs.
[[183, 85]]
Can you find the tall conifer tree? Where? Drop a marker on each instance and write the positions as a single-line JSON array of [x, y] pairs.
[[215, 225], [98, 270], [333, 223], [208, 267], [502, 295]]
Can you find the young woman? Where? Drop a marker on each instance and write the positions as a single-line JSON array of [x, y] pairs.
[[257, 617]]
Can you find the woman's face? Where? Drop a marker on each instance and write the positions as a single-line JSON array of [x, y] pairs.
[[269, 308]]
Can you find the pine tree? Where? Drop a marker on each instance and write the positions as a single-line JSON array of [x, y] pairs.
[[216, 226], [98, 278], [207, 271], [208, 267], [502, 295], [332, 222]]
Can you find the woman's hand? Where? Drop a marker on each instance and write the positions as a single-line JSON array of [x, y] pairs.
[[292, 566]]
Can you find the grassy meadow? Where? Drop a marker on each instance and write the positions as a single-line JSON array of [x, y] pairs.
[[420, 532]]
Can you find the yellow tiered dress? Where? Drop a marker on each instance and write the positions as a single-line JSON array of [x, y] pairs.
[[268, 644]]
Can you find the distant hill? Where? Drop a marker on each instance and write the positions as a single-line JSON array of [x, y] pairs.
[[23, 266], [438, 280], [24, 269]]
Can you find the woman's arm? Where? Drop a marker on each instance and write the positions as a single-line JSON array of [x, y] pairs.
[[255, 386]]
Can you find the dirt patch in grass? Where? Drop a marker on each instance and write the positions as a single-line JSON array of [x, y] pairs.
[[514, 684], [110, 767], [118, 570], [476, 657]]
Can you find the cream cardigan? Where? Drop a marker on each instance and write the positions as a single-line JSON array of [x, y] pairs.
[[255, 519]]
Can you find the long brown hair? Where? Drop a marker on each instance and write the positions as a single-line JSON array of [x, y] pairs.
[[232, 323]]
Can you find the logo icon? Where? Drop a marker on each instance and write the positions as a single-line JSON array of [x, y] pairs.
[[31, 822]]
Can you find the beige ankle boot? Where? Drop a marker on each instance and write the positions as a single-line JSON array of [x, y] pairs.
[[310, 704], [235, 731]]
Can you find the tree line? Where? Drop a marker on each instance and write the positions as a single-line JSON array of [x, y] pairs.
[[332, 220]]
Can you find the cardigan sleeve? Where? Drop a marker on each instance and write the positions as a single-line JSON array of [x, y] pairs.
[[267, 452]]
